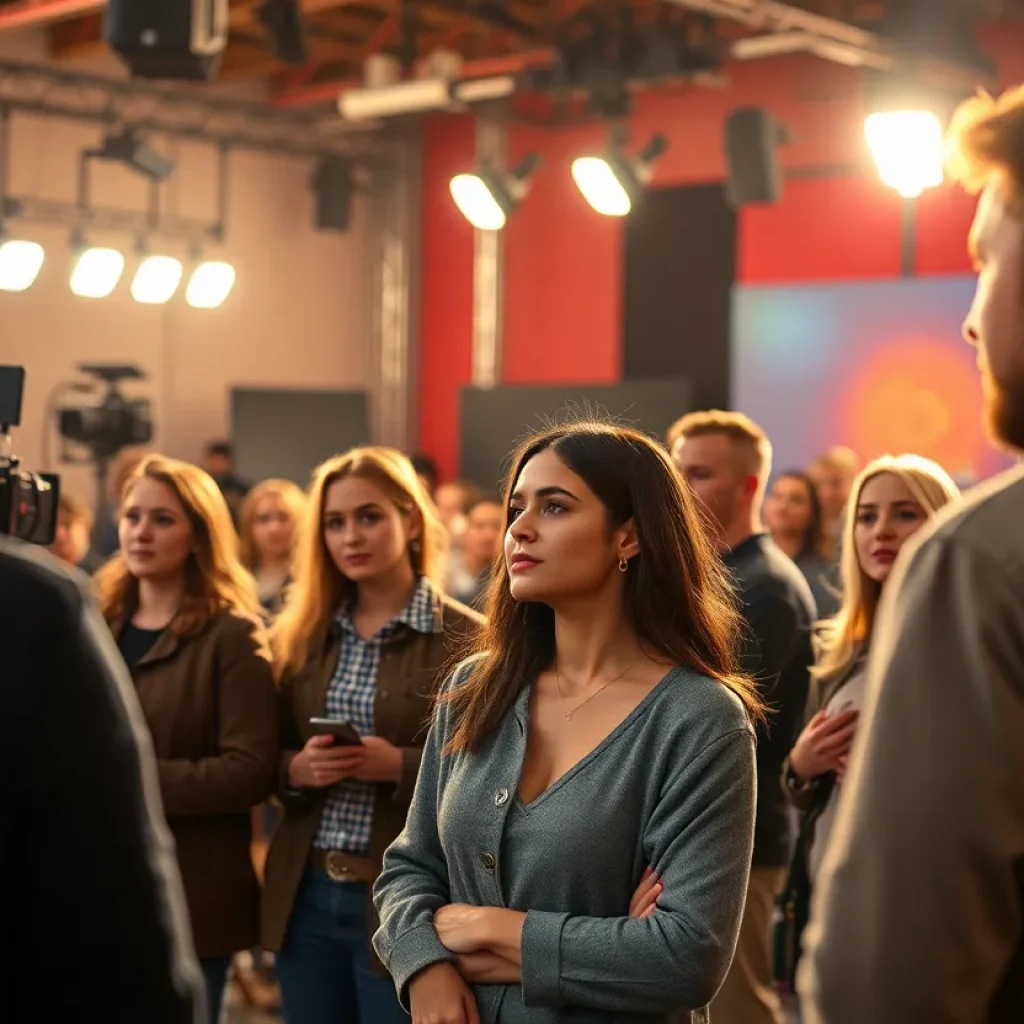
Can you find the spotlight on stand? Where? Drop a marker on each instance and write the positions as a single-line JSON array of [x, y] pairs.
[[613, 182], [907, 149], [905, 136], [487, 196], [20, 263]]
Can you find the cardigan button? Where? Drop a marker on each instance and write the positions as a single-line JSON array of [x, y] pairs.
[[488, 861], [501, 797]]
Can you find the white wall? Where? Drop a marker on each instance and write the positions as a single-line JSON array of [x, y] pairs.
[[299, 314]]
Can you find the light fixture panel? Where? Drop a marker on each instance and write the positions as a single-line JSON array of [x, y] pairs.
[[20, 263], [601, 186], [210, 285], [477, 202], [156, 280], [96, 272]]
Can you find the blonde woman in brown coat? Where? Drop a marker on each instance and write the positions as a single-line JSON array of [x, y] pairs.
[[185, 616], [365, 637]]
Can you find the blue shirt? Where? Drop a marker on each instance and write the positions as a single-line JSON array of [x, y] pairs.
[[347, 819]]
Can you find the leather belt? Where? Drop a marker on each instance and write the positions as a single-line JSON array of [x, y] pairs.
[[343, 867]]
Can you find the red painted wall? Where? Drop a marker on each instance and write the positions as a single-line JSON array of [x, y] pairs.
[[563, 287]]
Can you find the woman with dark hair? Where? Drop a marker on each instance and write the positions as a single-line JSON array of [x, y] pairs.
[[794, 517], [599, 739]]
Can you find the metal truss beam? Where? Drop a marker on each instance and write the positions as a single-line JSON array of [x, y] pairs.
[[488, 270], [182, 113], [395, 247], [833, 40], [53, 212]]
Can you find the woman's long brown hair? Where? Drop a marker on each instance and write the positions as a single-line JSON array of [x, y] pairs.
[[678, 597], [215, 580]]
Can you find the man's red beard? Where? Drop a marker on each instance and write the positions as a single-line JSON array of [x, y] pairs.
[[1004, 412]]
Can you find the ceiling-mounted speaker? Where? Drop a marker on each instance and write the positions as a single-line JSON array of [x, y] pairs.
[[332, 189], [753, 167], [168, 39]]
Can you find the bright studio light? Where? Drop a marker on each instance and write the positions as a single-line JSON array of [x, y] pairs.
[[600, 186], [96, 273], [476, 202], [20, 263], [210, 285], [907, 148], [156, 280]]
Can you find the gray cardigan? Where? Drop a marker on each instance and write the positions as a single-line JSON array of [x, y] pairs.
[[673, 787]]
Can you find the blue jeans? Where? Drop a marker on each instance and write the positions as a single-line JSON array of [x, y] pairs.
[[215, 974], [324, 965]]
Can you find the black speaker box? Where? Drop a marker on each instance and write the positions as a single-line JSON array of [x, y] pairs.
[[332, 186], [753, 168], [168, 39]]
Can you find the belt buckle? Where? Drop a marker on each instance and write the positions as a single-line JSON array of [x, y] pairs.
[[337, 869]]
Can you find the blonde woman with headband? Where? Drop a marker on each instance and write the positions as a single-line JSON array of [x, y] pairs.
[[267, 527], [185, 616], [360, 650], [891, 499]]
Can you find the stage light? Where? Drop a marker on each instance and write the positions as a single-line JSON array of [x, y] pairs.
[[156, 280], [20, 263], [477, 202], [601, 186], [486, 197], [612, 182], [210, 285], [96, 272], [130, 148], [907, 148]]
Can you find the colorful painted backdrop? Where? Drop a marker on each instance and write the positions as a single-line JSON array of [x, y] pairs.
[[878, 366]]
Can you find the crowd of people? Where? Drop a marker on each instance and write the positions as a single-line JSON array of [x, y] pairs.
[[699, 737]]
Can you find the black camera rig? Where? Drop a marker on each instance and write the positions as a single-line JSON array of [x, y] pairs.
[[28, 501]]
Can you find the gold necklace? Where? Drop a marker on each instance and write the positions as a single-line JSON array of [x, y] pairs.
[[558, 682]]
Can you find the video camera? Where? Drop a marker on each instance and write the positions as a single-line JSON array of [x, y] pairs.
[[113, 421], [28, 501]]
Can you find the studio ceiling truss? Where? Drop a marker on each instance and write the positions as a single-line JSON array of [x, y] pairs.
[[184, 113]]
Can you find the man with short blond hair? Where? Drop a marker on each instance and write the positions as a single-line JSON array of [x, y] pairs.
[[727, 458], [919, 912]]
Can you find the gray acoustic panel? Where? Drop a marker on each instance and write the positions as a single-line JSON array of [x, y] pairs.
[[287, 432], [493, 421]]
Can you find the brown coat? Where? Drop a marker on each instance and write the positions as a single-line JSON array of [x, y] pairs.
[[412, 668], [210, 703]]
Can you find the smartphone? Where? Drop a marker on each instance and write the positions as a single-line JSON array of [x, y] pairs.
[[343, 733]]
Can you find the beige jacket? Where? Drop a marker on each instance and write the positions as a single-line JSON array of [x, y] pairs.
[[917, 918]]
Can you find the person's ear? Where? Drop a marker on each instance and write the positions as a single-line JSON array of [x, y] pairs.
[[415, 525], [628, 540]]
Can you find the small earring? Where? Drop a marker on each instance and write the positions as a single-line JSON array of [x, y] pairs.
[[623, 564], [414, 546]]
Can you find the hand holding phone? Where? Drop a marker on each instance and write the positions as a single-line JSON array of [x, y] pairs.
[[342, 732], [326, 759]]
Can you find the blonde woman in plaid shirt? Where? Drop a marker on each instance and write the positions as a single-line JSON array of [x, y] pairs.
[[364, 638]]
